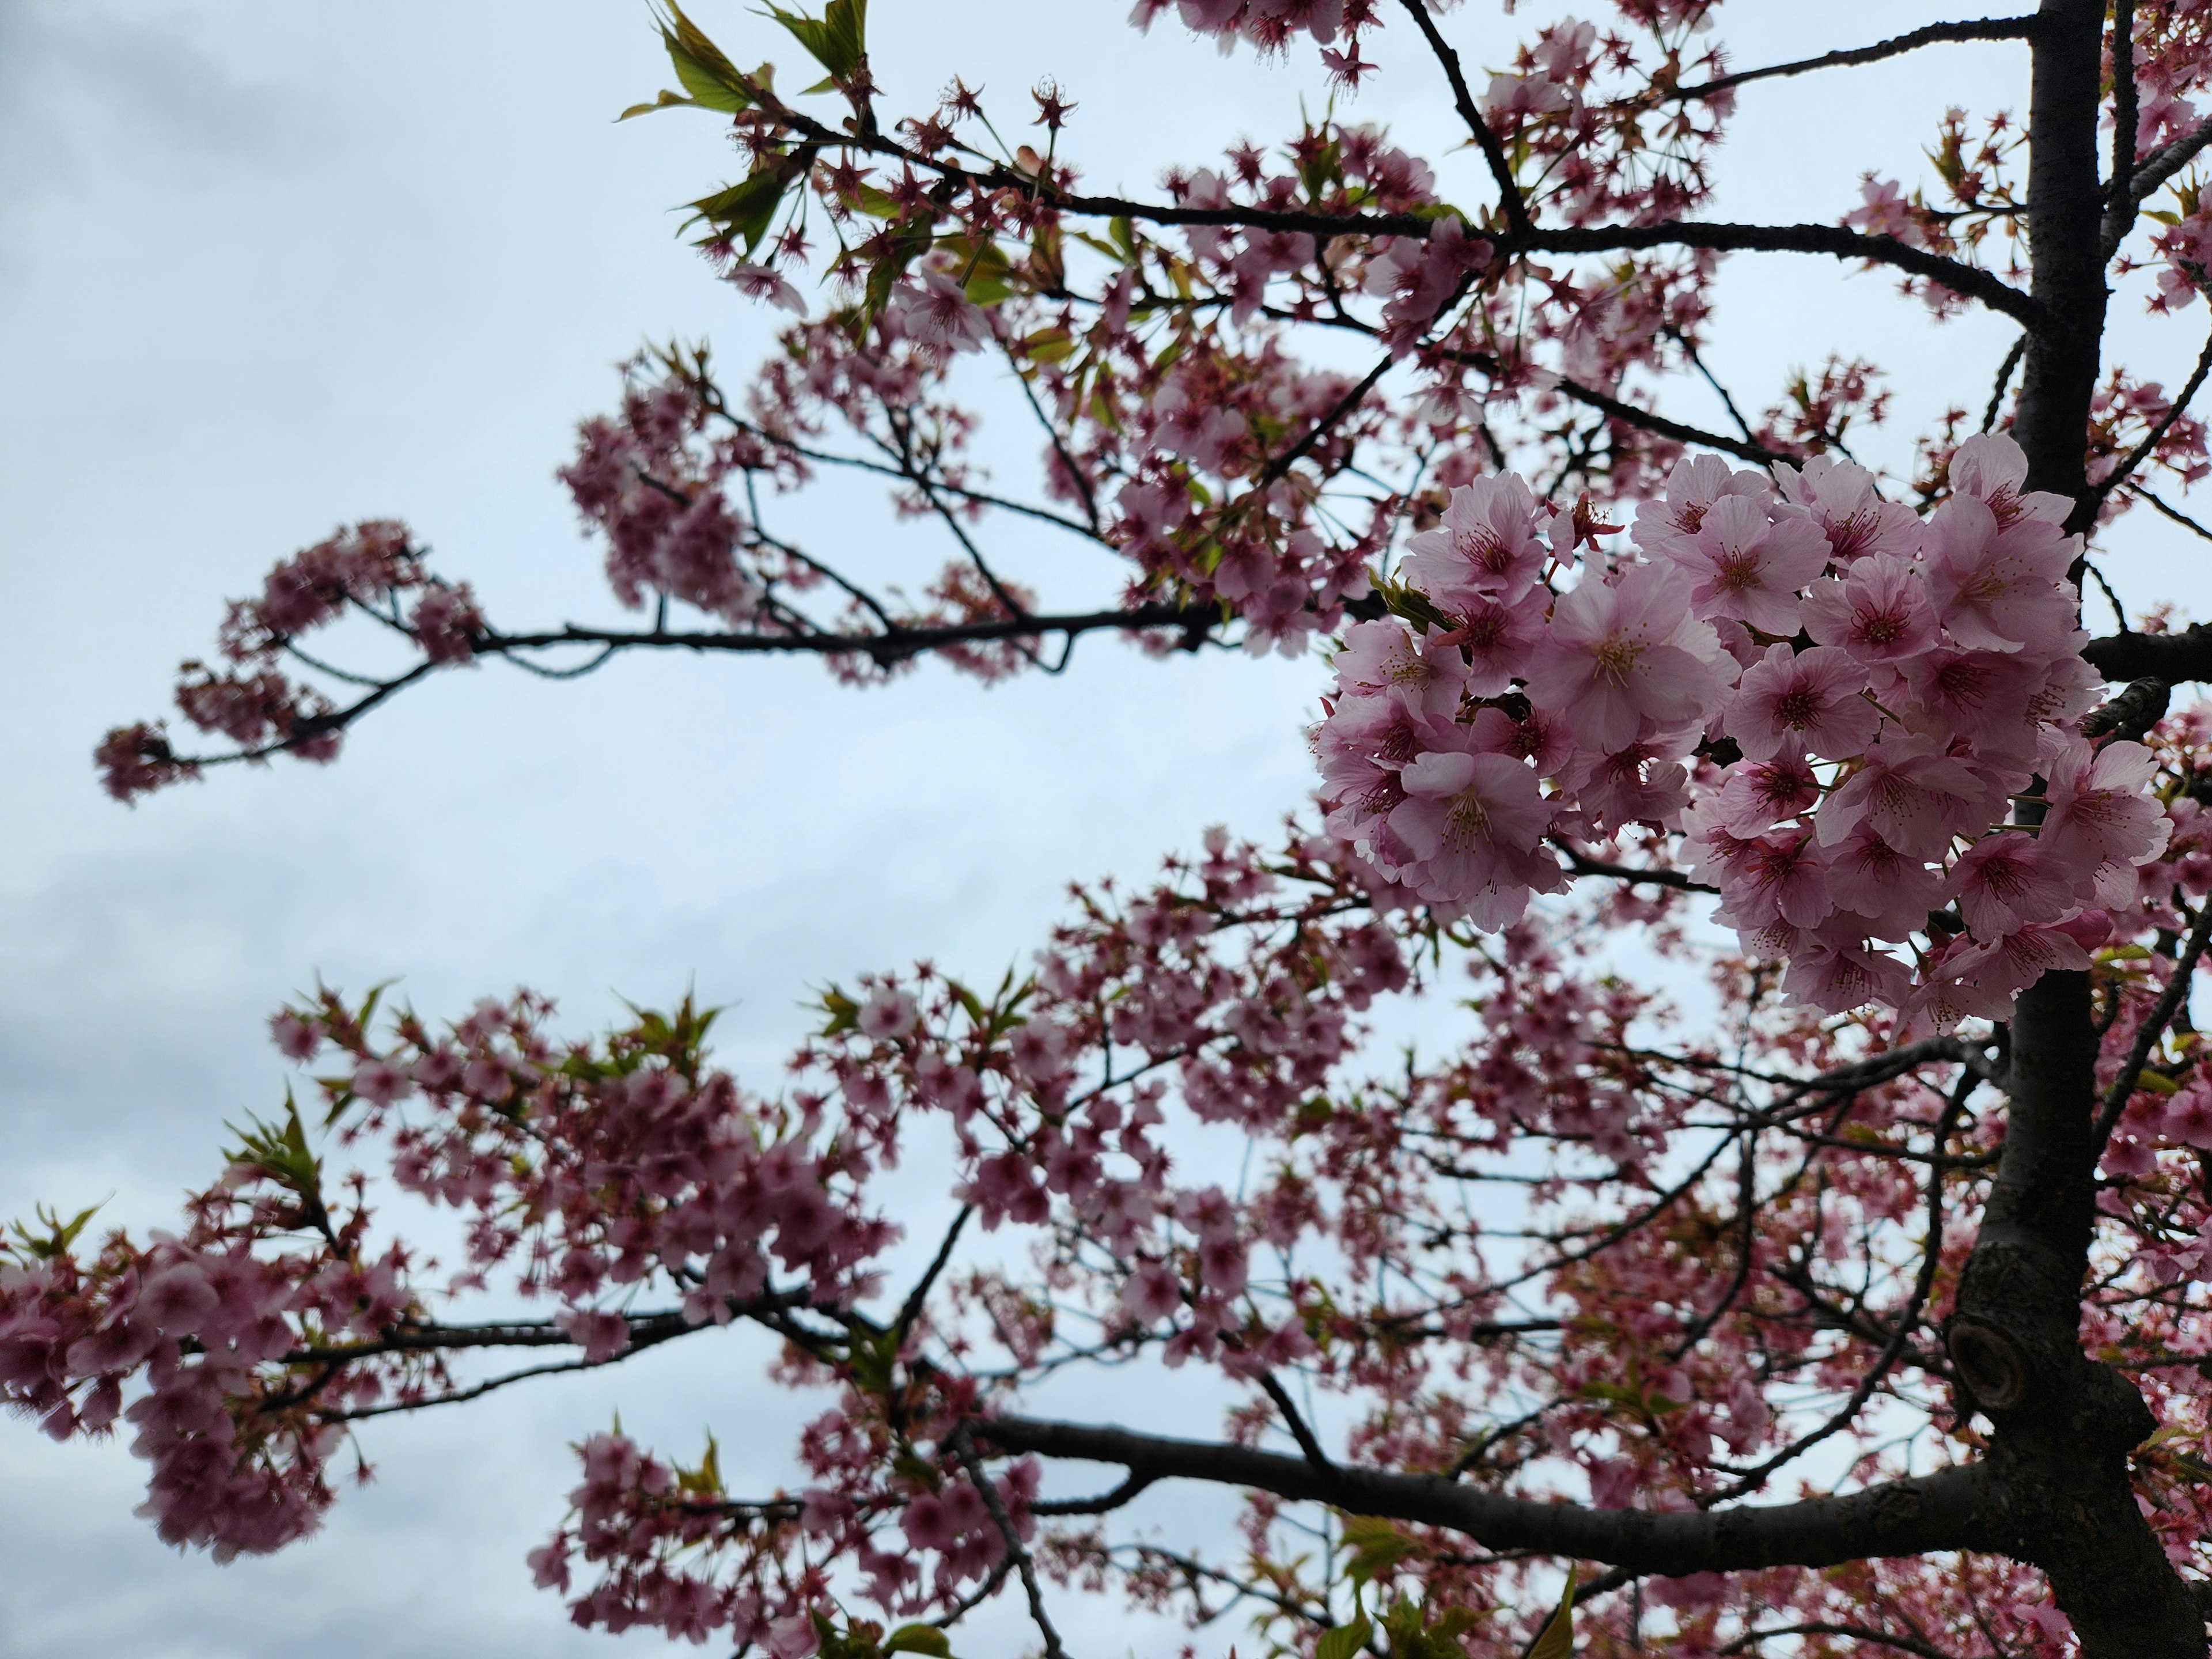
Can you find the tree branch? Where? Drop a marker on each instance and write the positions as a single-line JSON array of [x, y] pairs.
[[2135, 457], [1939, 1511], [1983, 29], [1509, 199]]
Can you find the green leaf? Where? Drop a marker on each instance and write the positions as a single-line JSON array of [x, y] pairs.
[[1046, 345], [1411, 603], [279, 1152], [1558, 1641], [746, 209], [835, 40], [1344, 1640], [876, 204], [919, 1638], [844, 1012], [989, 278], [711, 79], [666, 101], [706, 1480], [59, 1235], [1377, 1546]]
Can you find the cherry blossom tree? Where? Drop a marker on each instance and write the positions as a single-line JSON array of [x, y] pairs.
[[1789, 1229]]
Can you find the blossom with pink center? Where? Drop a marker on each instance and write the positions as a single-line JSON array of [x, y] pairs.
[[1916, 797], [1486, 547], [2188, 1116], [762, 282], [1644, 783], [1746, 565], [1760, 795], [2102, 812], [381, 1082], [2004, 967], [1998, 589], [1891, 892], [1777, 878], [1626, 657], [1810, 701], [602, 1334], [1878, 610], [1666, 527], [2002, 885], [1222, 1266], [887, 1015], [1883, 210], [934, 312], [1979, 697], [1497, 639], [1474, 824], [1388, 659], [1361, 747], [1151, 1294], [1838, 973], [1840, 496], [1990, 468], [295, 1038], [1538, 739], [928, 1524]]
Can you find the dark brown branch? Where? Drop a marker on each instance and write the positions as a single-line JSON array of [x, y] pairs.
[[1833, 240], [1902, 1643], [2006, 370], [963, 1447], [2168, 511], [1296, 1422], [2169, 1003], [2125, 101], [2130, 714], [2174, 658], [1104, 1504], [1581, 863], [2150, 173], [885, 649], [1983, 29], [1514, 205], [1630, 415], [1939, 1511], [2141, 452]]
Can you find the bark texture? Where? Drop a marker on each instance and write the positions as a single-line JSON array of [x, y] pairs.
[[2060, 1495]]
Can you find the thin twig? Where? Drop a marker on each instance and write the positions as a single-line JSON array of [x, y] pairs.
[[2153, 1026], [1985, 28], [2118, 475], [2005, 371], [1515, 206], [963, 1447]]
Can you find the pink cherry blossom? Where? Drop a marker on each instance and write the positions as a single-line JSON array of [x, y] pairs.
[[2100, 811], [1475, 823], [2003, 883], [1807, 700], [1745, 565], [1997, 588], [1625, 656], [1916, 797], [1486, 547], [1879, 611], [1842, 498]]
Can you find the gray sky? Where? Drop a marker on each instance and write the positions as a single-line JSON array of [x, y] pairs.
[[267, 267]]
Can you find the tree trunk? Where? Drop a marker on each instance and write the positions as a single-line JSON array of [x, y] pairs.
[[2064, 1424]]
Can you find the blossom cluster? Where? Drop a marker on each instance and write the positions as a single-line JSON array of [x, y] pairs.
[[1863, 693], [1233, 993], [371, 568]]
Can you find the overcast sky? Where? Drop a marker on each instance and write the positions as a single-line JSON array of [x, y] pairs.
[[266, 267]]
